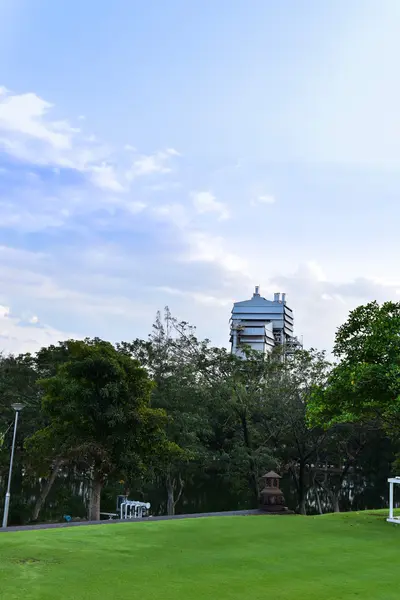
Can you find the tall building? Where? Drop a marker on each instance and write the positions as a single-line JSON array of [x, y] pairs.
[[263, 325]]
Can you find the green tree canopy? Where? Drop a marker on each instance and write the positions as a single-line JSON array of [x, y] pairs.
[[365, 384], [98, 406]]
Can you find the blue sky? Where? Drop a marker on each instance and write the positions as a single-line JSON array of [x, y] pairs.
[[179, 153]]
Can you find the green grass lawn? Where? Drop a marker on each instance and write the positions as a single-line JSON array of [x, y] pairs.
[[256, 557]]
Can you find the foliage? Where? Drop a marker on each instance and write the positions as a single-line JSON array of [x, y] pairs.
[[365, 385], [296, 443], [99, 414], [171, 355], [192, 428]]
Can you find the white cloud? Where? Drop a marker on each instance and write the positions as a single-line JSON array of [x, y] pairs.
[[264, 199], [164, 186], [199, 271], [105, 177], [4, 311], [25, 113], [174, 213], [315, 270], [207, 248], [133, 207], [173, 152], [98, 288], [152, 164], [199, 297], [17, 335], [84, 291], [321, 305], [28, 221], [205, 202], [29, 133]]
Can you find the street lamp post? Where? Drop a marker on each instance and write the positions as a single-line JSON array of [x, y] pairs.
[[17, 406]]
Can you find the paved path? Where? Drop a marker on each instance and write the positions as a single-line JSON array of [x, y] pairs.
[[231, 513]]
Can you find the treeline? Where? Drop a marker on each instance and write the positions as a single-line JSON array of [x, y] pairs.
[[191, 428]]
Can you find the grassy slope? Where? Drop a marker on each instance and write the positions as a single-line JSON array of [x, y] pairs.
[[296, 558]]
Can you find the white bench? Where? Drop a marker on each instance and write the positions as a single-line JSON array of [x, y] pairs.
[[109, 515]]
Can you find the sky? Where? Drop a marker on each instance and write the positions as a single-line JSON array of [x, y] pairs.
[[177, 153]]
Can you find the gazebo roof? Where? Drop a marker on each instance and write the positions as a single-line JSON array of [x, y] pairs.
[[271, 475]]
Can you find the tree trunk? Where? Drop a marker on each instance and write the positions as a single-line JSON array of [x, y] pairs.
[[302, 490], [170, 496], [335, 502], [318, 501], [94, 505], [46, 489], [173, 497], [302, 507], [252, 476]]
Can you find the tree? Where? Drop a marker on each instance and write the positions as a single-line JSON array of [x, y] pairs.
[[339, 459], [18, 375], [365, 385], [239, 388], [296, 442], [98, 406], [44, 460], [213, 403], [171, 355]]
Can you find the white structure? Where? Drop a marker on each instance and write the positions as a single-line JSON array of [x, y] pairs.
[[392, 481], [132, 509], [263, 325]]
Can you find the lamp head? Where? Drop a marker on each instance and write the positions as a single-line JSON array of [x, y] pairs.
[[17, 406]]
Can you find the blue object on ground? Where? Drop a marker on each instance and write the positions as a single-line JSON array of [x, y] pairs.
[[68, 518]]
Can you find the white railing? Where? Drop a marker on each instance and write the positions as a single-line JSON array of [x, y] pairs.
[[132, 509], [392, 482]]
